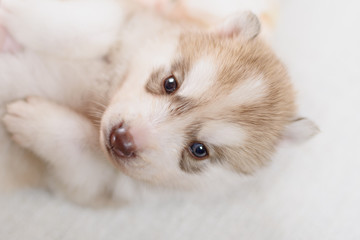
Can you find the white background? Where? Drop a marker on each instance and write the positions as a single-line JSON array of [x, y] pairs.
[[311, 192]]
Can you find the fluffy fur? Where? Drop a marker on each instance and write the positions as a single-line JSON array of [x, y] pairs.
[[87, 78]]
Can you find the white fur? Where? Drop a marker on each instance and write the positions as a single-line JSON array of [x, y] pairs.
[[220, 133], [249, 91], [226, 7], [49, 129], [300, 130], [74, 33], [245, 25], [201, 77], [307, 193], [71, 82]]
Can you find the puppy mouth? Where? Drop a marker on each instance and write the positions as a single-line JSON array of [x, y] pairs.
[[125, 164], [118, 154]]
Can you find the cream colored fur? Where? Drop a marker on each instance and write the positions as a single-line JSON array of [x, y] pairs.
[[48, 90]]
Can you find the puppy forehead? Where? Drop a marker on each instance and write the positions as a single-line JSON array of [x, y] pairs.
[[201, 77], [221, 133], [217, 66], [251, 90]]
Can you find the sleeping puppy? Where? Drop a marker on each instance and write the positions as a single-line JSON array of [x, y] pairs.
[[168, 103]]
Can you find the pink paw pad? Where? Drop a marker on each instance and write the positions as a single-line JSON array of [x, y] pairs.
[[7, 43]]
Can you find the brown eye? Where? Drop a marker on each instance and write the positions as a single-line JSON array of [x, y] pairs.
[[199, 151], [170, 84]]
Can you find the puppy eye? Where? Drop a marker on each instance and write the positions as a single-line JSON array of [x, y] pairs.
[[199, 151], [170, 84]]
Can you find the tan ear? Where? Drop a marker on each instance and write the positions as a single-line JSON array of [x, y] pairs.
[[300, 130], [244, 25]]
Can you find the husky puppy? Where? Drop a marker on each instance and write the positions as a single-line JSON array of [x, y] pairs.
[[169, 104]]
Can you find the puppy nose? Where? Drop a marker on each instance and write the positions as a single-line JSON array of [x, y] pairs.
[[122, 142]]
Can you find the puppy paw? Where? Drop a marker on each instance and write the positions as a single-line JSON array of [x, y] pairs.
[[7, 42], [23, 24], [52, 131], [25, 120], [12, 20]]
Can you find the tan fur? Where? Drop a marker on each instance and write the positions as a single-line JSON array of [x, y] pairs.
[[237, 61], [233, 96]]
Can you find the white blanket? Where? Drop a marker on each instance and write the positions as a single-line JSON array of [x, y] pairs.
[[310, 192]]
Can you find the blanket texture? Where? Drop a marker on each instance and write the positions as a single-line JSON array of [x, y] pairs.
[[311, 191]]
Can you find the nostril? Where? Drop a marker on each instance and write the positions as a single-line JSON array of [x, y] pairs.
[[122, 142]]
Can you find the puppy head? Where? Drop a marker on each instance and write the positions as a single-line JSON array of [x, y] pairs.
[[221, 101]]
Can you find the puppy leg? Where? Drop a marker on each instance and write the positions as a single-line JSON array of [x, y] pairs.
[[70, 29], [67, 141]]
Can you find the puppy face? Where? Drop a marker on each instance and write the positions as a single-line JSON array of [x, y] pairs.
[[216, 103]]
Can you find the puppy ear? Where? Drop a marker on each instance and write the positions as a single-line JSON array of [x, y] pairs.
[[300, 130], [244, 25]]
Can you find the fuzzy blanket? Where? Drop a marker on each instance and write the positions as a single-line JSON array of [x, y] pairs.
[[310, 192]]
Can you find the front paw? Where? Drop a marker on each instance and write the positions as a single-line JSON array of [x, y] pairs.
[[25, 119], [7, 42]]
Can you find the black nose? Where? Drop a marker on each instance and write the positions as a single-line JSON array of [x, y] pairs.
[[121, 142]]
